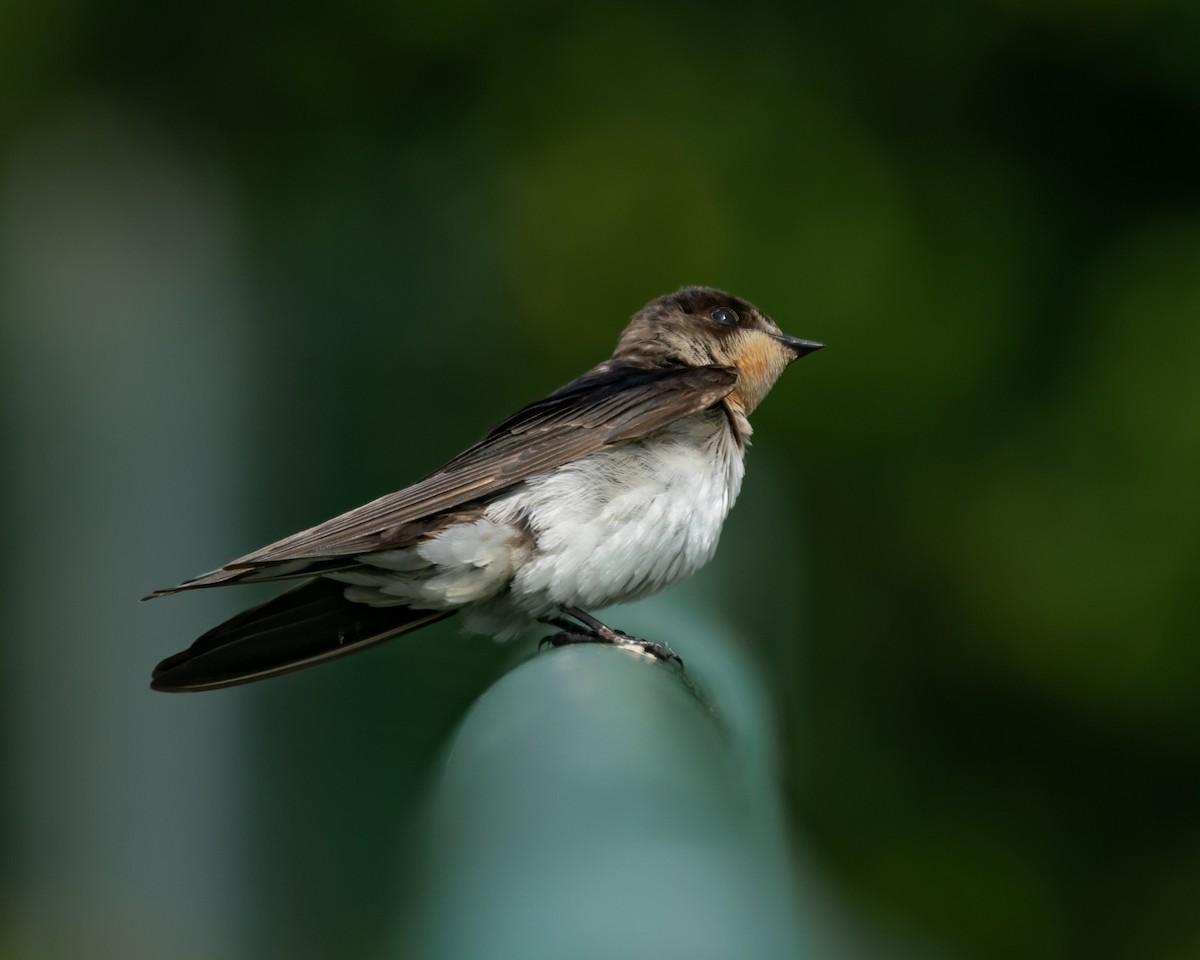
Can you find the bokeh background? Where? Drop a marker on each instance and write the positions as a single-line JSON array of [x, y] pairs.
[[259, 263]]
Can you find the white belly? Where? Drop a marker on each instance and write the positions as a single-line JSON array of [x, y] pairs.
[[616, 526], [627, 522]]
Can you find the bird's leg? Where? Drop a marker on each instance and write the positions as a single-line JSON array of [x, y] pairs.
[[593, 631], [566, 626]]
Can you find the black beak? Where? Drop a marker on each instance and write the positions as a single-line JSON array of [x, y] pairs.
[[801, 348]]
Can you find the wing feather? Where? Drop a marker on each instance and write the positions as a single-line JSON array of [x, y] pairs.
[[610, 404]]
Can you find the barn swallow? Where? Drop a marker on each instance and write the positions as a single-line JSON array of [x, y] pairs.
[[608, 490]]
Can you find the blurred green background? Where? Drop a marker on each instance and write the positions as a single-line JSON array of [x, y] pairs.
[[261, 263]]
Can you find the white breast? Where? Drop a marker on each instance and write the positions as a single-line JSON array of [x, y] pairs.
[[626, 522]]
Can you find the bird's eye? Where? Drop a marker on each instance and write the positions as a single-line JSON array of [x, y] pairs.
[[725, 315]]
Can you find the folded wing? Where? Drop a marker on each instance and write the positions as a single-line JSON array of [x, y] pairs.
[[611, 404]]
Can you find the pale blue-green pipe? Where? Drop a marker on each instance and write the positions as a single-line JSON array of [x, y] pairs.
[[598, 804]]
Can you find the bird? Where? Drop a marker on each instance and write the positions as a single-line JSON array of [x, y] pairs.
[[610, 489]]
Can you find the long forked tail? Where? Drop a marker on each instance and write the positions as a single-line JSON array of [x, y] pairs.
[[308, 624]]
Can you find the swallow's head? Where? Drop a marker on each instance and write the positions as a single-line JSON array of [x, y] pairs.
[[700, 326]]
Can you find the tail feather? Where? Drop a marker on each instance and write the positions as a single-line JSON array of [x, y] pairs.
[[254, 573], [308, 624]]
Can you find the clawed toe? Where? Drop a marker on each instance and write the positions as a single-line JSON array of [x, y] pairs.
[[660, 651], [565, 638]]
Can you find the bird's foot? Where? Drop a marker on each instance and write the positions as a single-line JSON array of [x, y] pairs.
[[619, 638], [593, 631]]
